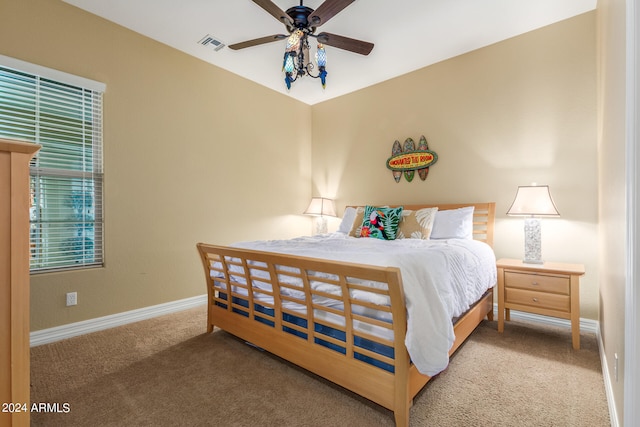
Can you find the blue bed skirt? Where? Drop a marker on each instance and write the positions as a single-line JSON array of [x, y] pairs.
[[359, 342]]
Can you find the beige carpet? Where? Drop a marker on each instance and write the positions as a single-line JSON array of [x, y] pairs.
[[168, 372]]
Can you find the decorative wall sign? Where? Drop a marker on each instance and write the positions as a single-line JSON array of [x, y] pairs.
[[395, 151], [409, 147], [423, 146], [407, 159]]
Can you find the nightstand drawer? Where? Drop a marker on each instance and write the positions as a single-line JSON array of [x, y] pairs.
[[537, 282], [538, 299]]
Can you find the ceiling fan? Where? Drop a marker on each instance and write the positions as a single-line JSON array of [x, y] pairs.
[[307, 20], [301, 23]]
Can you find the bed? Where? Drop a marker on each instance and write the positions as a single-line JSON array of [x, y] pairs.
[[352, 310]]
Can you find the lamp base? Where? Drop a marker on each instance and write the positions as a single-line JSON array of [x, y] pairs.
[[321, 225], [532, 241]]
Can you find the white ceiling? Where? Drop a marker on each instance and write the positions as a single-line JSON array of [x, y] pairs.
[[408, 34]]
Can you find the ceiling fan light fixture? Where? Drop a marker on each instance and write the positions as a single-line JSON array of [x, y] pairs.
[[321, 56], [289, 64], [301, 22], [297, 62]]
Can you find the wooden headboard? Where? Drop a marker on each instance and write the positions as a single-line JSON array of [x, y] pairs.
[[484, 216]]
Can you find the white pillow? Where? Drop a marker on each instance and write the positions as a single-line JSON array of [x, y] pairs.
[[347, 220], [453, 224]]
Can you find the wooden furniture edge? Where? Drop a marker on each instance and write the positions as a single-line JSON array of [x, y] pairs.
[[15, 146], [14, 275], [371, 382], [392, 391], [546, 267], [574, 271]]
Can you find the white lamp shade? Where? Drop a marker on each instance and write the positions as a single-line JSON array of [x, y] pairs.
[[533, 200], [321, 206]]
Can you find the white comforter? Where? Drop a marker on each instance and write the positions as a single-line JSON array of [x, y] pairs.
[[441, 279]]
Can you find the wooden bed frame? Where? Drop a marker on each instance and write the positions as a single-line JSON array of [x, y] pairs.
[[243, 315]]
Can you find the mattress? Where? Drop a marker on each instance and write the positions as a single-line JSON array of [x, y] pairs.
[[441, 280]]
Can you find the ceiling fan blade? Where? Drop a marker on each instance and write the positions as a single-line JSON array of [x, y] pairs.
[[346, 43], [275, 11], [259, 41], [327, 10]]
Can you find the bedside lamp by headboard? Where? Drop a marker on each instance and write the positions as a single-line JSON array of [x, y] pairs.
[[533, 201], [321, 207]]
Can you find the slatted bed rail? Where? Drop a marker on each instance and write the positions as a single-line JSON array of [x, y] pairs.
[[308, 311]]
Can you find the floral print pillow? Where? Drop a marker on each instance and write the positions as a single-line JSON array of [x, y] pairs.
[[417, 224], [357, 222], [381, 223]]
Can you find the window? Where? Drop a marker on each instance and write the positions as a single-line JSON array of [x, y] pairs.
[[63, 113]]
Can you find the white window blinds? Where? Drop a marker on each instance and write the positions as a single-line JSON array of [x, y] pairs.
[[66, 174]]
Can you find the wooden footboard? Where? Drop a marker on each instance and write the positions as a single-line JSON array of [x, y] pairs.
[[273, 301], [268, 300]]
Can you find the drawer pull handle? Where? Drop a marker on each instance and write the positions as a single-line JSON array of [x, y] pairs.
[[534, 283], [535, 300]]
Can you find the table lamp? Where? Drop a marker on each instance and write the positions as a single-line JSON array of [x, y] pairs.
[[322, 208], [533, 201]]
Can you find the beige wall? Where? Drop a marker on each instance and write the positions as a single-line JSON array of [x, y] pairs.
[[519, 111], [613, 186], [192, 153]]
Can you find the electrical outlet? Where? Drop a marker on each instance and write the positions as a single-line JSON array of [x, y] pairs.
[[72, 298], [615, 366]]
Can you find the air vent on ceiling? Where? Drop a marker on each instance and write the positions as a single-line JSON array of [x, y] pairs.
[[212, 42]]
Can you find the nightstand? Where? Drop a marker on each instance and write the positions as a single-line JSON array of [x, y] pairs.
[[550, 289]]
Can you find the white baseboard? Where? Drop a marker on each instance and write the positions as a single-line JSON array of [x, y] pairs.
[[586, 325], [58, 333], [613, 413]]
